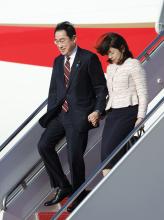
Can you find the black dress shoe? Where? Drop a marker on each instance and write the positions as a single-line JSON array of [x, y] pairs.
[[59, 196], [77, 201]]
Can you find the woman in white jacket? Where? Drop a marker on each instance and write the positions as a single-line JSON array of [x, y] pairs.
[[128, 95]]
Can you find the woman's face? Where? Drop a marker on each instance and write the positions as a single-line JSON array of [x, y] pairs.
[[114, 55]]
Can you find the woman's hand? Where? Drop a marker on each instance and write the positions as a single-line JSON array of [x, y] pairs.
[[138, 121], [94, 118]]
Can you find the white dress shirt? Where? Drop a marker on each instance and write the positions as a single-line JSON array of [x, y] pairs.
[[72, 57]]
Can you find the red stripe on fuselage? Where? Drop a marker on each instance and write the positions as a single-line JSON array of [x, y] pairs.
[[34, 45]]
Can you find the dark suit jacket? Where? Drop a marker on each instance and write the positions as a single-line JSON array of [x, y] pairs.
[[86, 90]]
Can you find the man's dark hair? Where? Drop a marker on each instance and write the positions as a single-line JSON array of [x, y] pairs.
[[67, 27]]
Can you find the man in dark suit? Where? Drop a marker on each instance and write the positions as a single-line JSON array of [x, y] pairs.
[[77, 97]]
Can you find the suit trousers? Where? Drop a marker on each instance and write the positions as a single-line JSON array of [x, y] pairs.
[[119, 123], [76, 144]]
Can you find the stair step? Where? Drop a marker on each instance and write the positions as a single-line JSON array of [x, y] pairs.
[[63, 201], [49, 215]]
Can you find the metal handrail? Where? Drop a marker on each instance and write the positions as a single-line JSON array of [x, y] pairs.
[[106, 161], [10, 138], [4, 200], [144, 53]]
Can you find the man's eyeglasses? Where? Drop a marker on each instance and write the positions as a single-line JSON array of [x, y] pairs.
[[60, 41]]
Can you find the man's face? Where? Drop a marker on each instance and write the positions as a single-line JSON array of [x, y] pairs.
[[64, 43]]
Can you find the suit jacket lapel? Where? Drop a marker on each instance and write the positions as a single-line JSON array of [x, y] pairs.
[[75, 67], [61, 72]]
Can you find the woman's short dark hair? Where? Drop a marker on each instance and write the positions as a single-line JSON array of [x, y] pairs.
[[114, 40], [66, 26]]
